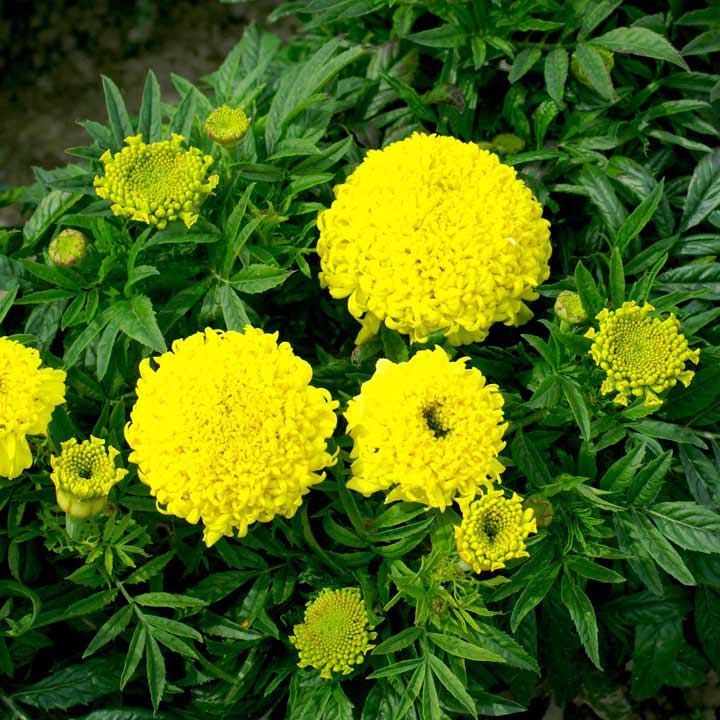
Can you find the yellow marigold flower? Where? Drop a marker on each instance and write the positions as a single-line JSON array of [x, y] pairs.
[[227, 126], [429, 430], [336, 632], [432, 233], [641, 355], [156, 183], [228, 431], [28, 396], [84, 474], [493, 531]]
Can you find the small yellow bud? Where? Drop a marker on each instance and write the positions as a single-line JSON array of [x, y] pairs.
[[227, 126], [569, 308], [67, 248]]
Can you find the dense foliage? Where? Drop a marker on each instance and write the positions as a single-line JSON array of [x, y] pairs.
[[608, 111]]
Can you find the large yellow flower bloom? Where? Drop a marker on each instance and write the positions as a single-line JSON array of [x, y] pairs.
[[228, 431], [28, 396], [83, 474], [642, 356], [429, 430], [335, 634], [493, 531], [156, 183], [433, 233]]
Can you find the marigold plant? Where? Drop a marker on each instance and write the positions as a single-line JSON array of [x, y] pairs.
[[641, 356], [28, 396], [428, 430], [432, 233], [335, 634], [227, 430], [156, 183]]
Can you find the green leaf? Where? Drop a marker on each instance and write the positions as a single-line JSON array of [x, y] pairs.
[[641, 41], [169, 600], [430, 700], [233, 309], [149, 569], [535, 590], [150, 117], [137, 320], [463, 649], [502, 644], [621, 472], [528, 459], [583, 615], [412, 690], [703, 476], [590, 297], [639, 217], [405, 638], [617, 279], [703, 194], [72, 685], [707, 623], [524, 62], [184, 116], [394, 346], [397, 668], [661, 551], [706, 42], [55, 204], [556, 72], [110, 629], [174, 627], [645, 486], [689, 525], [656, 647], [134, 654], [451, 683], [598, 76], [117, 112], [668, 431], [444, 36], [259, 278], [7, 301], [232, 229], [578, 405], [155, 667], [603, 196], [591, 570]]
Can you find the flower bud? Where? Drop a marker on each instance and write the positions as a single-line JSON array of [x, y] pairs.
[[542, 509], [568, 307], [227, 126], [68, 248]]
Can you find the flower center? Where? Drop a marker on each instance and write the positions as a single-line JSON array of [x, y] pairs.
[[432, 414], [491, 526]]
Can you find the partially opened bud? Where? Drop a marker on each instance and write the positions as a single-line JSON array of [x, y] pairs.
[[568, 307], [227, 126], [542, 509], [84, 474], [68, 248]]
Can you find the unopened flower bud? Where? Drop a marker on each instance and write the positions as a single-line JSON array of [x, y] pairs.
[[83, 475], [542, 509], [568, 307], [68, 248], [227, 126], [508, 144]]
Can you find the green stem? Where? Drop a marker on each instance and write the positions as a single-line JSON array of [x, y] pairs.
[[17, 714]]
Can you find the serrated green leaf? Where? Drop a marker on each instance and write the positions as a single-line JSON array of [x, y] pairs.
[[661, 551], [535, 590], [137, 320], [117, 112], [591, 570], [689, 525], [703, 194], [155, 668], [461, 648], [150, 117], [590, 297], [134, 654], [583, 615], [639, 217], [556, 71], [524, 62], [149, 569], [578, 405], [169, 600], [594, 70], [405, 638], [110, 629], [258, 278], [641, 41], [645, 486]]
